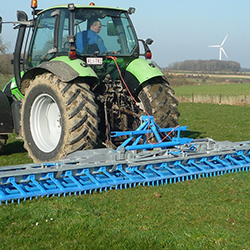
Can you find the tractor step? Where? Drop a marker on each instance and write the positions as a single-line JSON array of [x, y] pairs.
[[100, 170]]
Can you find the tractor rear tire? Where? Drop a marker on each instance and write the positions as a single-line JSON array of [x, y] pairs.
[[159, 101], [58, 118]]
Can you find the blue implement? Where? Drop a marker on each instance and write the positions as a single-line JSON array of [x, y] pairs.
[[175, 160]]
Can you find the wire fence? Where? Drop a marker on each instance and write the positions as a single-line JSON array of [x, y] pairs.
[[216, 99]]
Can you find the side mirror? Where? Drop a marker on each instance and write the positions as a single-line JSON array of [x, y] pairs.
[[111, 31], [131, 10], [22, 16], [1, 24], [149, 41]]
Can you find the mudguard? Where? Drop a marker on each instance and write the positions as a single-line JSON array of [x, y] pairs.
[[140, 71], [143, 70], [65, 69], [6, 123]]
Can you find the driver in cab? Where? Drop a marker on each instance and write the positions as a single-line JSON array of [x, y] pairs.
[[89, 41]]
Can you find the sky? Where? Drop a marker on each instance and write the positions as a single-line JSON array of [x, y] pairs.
[[181, 29]]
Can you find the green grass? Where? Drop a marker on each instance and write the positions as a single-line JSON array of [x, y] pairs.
[[14, 153], [220, 122], [209, 213]]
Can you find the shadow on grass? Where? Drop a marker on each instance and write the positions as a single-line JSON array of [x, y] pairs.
[[191, 134], [13, 147]]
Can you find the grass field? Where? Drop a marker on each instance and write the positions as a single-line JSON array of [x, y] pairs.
[[210, 213], [220, 88], [220, 122], [233, 94], [225, 89], [203, 214]]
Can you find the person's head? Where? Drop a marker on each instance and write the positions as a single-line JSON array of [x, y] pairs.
[[96, 26]]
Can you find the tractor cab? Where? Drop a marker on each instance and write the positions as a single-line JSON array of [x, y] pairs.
[[89, 33], [81, 32]]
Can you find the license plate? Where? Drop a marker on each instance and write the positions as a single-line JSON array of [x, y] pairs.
[[94, 60]]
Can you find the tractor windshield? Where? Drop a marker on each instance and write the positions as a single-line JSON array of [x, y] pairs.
[[104, 30]]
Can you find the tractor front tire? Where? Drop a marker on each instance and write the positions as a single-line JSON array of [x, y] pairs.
[[58, 118], [159, 101]]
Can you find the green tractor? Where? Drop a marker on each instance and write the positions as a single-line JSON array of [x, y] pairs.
[[78, 75]]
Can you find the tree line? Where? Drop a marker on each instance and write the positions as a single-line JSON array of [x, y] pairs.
[[206, 65], [6, 67]]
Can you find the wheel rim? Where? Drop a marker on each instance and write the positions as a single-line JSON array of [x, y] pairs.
[[45, 123]]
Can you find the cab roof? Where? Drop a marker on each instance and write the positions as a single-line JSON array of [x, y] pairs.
[[77, 6]]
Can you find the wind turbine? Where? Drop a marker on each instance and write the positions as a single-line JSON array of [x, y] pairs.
[[221, 48]]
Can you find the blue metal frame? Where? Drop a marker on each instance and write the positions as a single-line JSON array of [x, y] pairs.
[[138, 139]]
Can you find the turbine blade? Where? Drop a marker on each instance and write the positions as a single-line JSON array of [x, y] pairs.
[[224, 52], [214, 46], [224, 40]]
